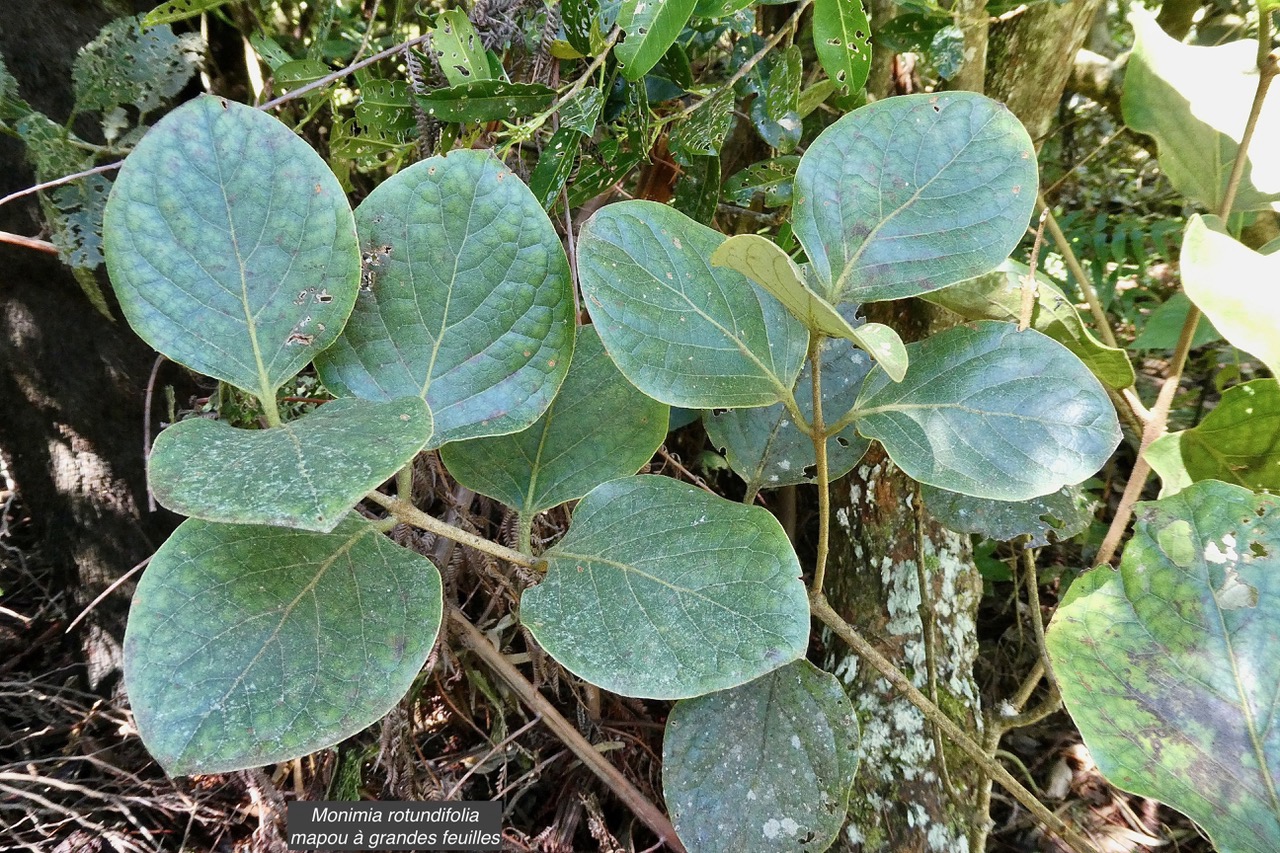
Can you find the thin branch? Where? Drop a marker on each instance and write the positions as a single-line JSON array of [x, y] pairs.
[[409, 514], [115, 584], [28, 242], [57, 182], [819, 436], [1073, 264], [350, 69], [564, 730]]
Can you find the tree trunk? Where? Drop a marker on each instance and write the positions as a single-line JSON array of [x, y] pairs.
[[915, 792], [71, 382]]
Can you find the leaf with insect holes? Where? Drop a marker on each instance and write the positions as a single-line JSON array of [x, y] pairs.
[[457, 46], [705, 594], [305, 473], [1168, 665], [469, 299], [685, 332], [991, 412], [842, 40], [252, 645], [649, 27], [231, 245], [913, 194], [486, 100], [598, 427], [760, 259], [784, 789]]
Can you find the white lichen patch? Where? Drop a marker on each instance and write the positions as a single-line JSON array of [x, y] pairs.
[[774, 828]]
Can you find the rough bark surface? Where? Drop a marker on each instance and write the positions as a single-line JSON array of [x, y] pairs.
[[71, 382]]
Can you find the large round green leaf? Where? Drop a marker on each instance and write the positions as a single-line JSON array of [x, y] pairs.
[[599, 427], [1194, 101], [1169, 666], [1239, 441], [468, 300], [991, 412], [664, 591], [249, 645], [306, 473], [998, 296], [1234, 286], [231, 245], [766, 448], [762, 767], [912, 194], [683, 331]]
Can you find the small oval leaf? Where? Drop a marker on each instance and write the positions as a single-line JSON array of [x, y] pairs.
[[649, 28], [306, 473], [842, 40], [788, 789], [231, 245], [467, 299], [912, 194], [598, 427], [684, 332], [486, 100], [1168, 666], [992, 412], [251, 645], [704, 595]]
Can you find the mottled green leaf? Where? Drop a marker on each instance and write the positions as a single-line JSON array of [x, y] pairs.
[[763, 262], [1194, 101], [127, 65], [599, 427], [991, 412], [1164, 327], [305, 474], [582, 26], [457, 47], [178, 10], [252, 645], [684, 332], [582, 111], [771, 178], [705, 594], [946, 51], [1239, 441], [297, 73], [487, 100], [998, 296], [1235, 287], [468, 300], [1168, 666], [231, 246], [1054, 517], [702, 134], [775, 110], [765, 447], [842, 38], [786, 788], [649, 28], [913, 194], [554, 166], [698, 190]]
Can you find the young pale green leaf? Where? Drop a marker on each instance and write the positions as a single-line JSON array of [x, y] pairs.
[[457, 47], [684, 332], [1195, 101], [765, 447], [998, 296], [1168, 666], [913, 194], [599, 427], [486, 100], [1060, 515], [842, 39], [1239, 441], [769, 178], [649, 28], [661, 590], [178, 10], [760, 259], [468, 302], [251, 645], [231, 245], [991, 412], [306, 473], [1235, 288], [785, 790], [1164, 455]]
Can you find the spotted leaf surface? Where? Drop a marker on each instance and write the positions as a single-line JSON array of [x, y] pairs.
[[763, 767], [306, 473], [1168, 665], [231, 245], [912, 194], [250, 645], [466, 302], [703, 595]]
